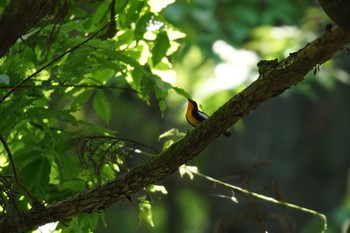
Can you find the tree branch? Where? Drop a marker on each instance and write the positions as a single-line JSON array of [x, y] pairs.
[[270, 83], [19, 17]]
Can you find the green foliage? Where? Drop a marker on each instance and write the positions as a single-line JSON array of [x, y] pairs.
[[145, 206], [82, 223], [43, 118]]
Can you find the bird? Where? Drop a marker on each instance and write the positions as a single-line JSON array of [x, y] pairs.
[[194, 117]]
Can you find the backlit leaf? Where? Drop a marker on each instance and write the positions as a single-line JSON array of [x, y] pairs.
[[160, 47]]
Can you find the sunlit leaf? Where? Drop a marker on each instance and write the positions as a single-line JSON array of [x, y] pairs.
[[145, 211], [167, 144], [157, 188], [160, 47], [188, 170]]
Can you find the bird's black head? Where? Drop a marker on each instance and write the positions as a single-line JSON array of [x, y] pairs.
[[193, 102]]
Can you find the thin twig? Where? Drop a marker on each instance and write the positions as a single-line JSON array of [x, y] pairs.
[[52, 62], [260, 196], [18, 181]]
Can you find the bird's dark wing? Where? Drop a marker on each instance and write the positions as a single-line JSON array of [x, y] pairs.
[[200, 116]]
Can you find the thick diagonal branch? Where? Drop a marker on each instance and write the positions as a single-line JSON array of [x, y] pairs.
[[285, 74]]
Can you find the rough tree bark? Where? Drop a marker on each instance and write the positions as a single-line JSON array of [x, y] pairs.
[[272, 81], [19, 17]]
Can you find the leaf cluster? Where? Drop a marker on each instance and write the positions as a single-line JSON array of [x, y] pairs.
[[91, 52]]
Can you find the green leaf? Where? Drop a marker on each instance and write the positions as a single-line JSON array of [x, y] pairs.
[[157, 188], [137, 75], [100, 13], [102, 106], [80, 98], [188, 170], [103, 75], [147, 85], [125, 37], [120, 6], [23, 157], [162, 105], [181, 92], [133, 12], [36, 176], [168, 143], [160, 48], [141, 25], [145, 210], [107, 63]]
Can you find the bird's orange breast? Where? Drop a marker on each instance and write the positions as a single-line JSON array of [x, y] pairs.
[[190, 116]]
